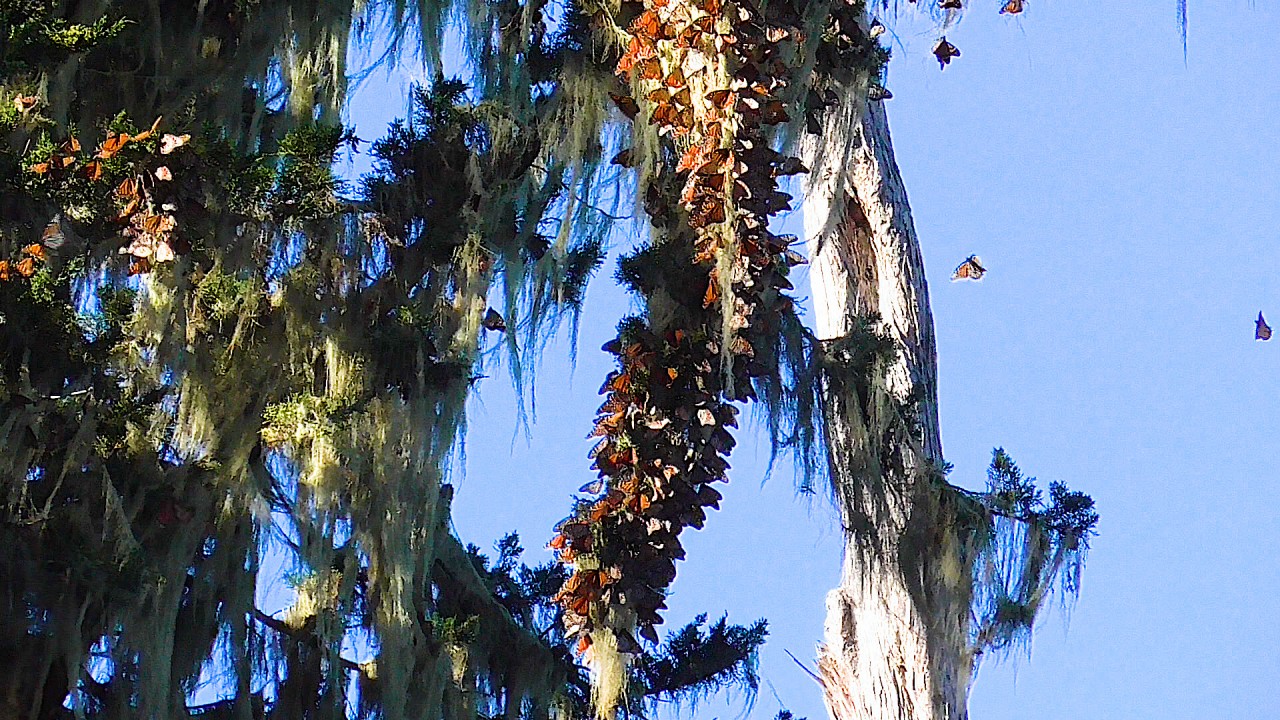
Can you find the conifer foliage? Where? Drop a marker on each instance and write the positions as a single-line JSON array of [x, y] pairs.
[[214, 351]]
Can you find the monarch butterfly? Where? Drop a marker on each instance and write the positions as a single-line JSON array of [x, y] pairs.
[[4, 269], [25, 103], [650, 69], [774, 113], [1262, 331], [721, 98], [876, 93], [647, 25], [1013, 7], [164, 252], [158, 224], [148, 133], [690, 158], [970, 269], [876, 30], [626, 159], [112, 145], [493, 321], [129, 209], [52, 236], [945, 51], [626, 104], [950, 4], [712, 294]]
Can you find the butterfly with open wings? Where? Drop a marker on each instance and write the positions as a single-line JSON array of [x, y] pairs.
[[944, 52]]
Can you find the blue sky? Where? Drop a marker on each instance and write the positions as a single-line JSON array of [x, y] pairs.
[[1127, 207]]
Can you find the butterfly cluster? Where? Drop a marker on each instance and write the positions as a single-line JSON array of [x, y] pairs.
[[146, 222], [846, 44], [708, 76]]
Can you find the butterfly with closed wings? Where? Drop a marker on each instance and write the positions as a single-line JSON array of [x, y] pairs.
[[971, 269], [1261, 330]]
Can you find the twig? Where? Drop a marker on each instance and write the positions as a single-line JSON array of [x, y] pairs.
[[812, 674]]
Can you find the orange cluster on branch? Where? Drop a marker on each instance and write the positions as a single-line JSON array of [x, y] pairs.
[[147, 222], [710, 74]]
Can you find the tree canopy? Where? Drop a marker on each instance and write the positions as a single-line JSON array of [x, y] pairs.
[[211, 343]]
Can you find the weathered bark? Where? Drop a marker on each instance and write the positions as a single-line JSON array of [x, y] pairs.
[[896, 643]]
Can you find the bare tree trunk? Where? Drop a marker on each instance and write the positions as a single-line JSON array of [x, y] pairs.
[[896, 639]]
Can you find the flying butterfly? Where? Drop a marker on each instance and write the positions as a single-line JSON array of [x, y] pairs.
[[493, 321], [1013, 7], [950, 4], [970, 269], [945, 51], [625, 158], [1262, 331]]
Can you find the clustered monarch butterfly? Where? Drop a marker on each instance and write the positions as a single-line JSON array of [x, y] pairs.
[[1012, 7], [1261, 330], [707, 75], [148, 223], [53, 236], [30, 256], [970, 269]]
